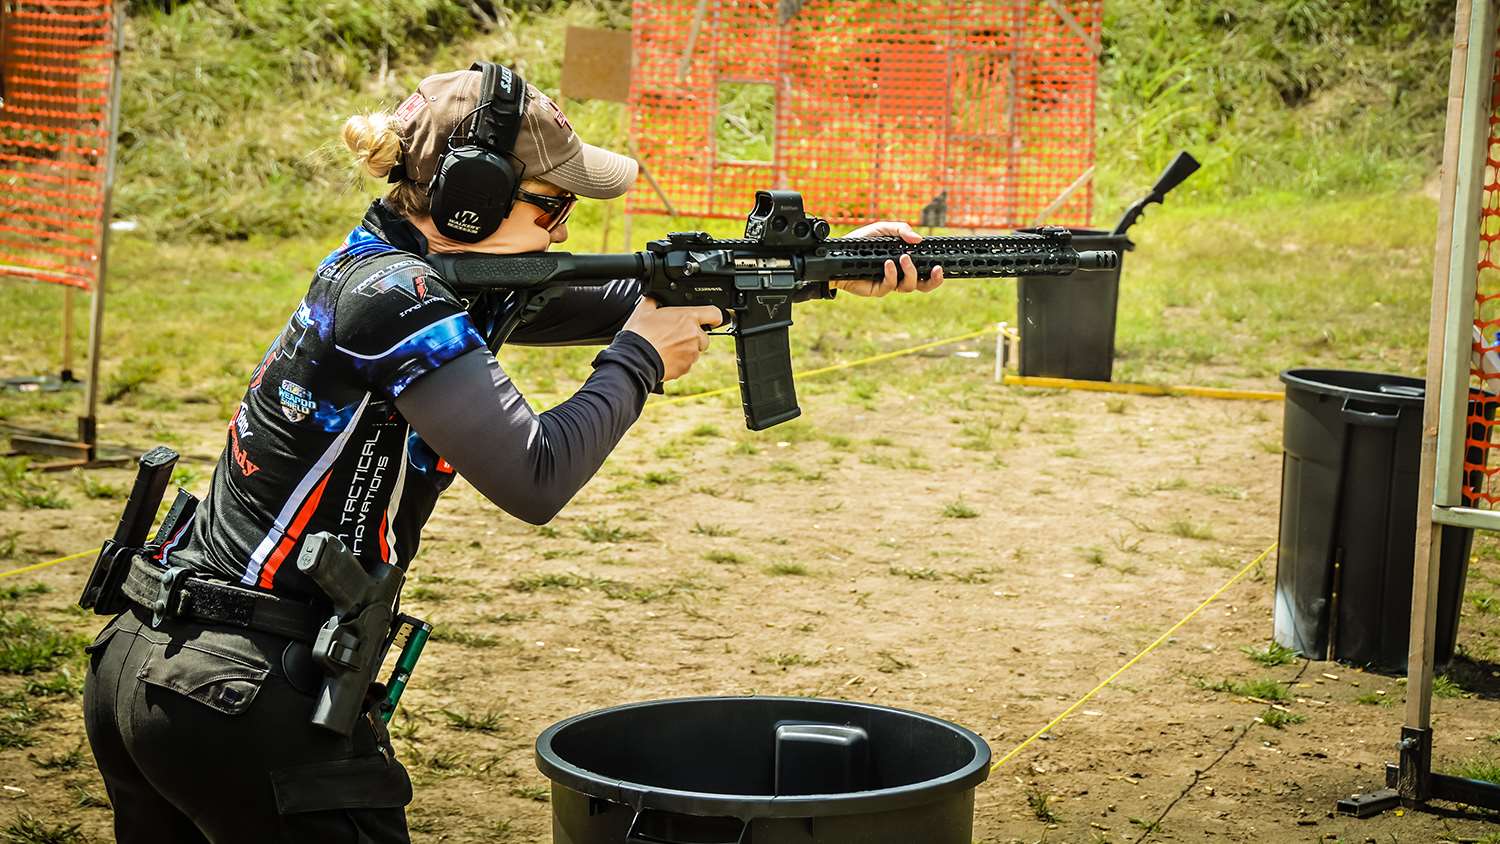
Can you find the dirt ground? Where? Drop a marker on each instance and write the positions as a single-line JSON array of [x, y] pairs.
[[980, 553]]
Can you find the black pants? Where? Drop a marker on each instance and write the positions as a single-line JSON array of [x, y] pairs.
[[202, 735]]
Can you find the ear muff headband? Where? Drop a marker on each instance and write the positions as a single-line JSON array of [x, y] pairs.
[[476, 182]]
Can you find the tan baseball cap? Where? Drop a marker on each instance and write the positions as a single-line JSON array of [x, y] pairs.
[[546, 144]]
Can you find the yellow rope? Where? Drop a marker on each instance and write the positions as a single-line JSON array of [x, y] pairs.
[[36, 566], [1137, 658], [838, 366], [1141, 389]]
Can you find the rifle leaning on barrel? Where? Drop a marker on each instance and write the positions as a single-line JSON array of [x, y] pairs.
[[785, 256]]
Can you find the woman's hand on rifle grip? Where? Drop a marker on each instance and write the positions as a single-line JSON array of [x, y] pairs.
[[678, 334]]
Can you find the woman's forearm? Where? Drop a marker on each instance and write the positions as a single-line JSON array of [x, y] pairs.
[[529, 464]]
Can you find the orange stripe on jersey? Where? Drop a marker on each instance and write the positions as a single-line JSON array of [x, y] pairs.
[[385, 549], [268, 573]]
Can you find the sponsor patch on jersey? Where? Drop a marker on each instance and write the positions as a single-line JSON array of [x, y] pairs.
[[407, 278], [296, 401]]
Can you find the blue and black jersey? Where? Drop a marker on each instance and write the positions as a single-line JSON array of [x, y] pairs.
[[318, 444]]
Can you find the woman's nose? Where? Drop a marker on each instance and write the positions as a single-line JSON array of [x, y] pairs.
[[560, 233]]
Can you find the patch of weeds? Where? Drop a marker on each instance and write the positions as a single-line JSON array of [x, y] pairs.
[[28, 646], [959, 510], [1190, 530], [1220, 561], [1269, 445], [440, 760], [29, 829], [1147, 827], [1124, 543], [1094, 556], [84, 798], [539, 793], [99, 490], [890, 663], [745, 447], [705, 430], [18, 714], [70, 761], [725, 558], [671, 451], [789, 660], [839, 441], [485, 722], [1444, 686], [1069, 451], [712, 530], [463, 638], [1040, 803], [787, 569], [426, 593], [660, 478], [547, 531], [1485, 604], [916, 573], [185, 476], [640, 594], [1277, 719], [1116, 405], [1375, 699], [605, 532], [1264, 688], [979, 574], [62, 683], [548, 580], [1486, 768], [977, 437], [882, 442], [1272, 655], [135, 373], [8, 542], [16, 593], [1231, 493]]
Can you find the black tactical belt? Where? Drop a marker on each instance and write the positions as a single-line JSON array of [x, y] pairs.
[[178, 593]]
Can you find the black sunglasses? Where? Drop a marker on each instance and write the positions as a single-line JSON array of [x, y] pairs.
[[555, 209]]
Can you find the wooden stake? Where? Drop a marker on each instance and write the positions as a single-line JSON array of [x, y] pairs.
[[1072, 23], [1429, 535]]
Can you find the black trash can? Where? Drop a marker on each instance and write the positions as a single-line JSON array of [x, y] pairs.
[[1067, 324], [1351, 457], [761, 770]]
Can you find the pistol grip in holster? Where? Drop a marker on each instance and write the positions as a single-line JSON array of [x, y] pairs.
[[102, 591], [351, 643], [763, 356]]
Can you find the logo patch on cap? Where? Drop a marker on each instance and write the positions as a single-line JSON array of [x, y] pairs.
[[557, 116], [409, 109]]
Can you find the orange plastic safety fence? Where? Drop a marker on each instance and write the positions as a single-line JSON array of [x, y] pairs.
[[960, 113], [56, 71]]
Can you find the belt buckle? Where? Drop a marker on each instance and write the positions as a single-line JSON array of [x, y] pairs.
[[168, 589]]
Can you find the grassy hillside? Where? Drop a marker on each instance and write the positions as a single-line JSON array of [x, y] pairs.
[[232, 108]]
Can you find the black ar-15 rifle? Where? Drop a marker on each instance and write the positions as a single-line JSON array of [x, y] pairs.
[[786, 256]]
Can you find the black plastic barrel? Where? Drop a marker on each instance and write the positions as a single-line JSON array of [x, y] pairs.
[[1352, 453], [761, 770], [1067, 324]]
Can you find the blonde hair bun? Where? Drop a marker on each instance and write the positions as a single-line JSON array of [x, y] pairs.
[[374, 141]]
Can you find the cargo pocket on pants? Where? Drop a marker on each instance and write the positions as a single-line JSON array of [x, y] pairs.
[[362, 782], [219, 680]]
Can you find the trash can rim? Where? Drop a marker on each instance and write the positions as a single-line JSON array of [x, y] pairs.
[[750, 806], [1307, 379]]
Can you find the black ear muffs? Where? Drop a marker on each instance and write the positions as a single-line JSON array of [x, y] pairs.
[[476, 181]]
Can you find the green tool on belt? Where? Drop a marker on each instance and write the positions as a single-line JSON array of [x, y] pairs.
[[412, 633]]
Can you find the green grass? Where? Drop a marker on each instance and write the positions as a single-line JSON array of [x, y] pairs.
[[1375, 699], [26, 828], [1486, 768], [484, 722], [1040, 803], [1270, 656], [725, 558], [787, 570], [959, 510], [28, 646], [1277, 719], [1445, 686], [1263, 688], [922, 573]]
